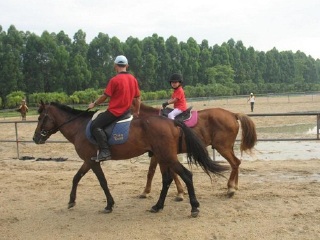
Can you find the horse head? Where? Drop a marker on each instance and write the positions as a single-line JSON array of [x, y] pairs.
[[46, 124]]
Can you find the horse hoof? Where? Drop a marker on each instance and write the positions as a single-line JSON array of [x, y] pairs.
[[231, 192], [106, 210], [143, 195], [71, 205], [179, 197], [195, 213], [154, 209]]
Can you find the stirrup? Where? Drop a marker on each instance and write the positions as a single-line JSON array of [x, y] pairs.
[[105, 158]]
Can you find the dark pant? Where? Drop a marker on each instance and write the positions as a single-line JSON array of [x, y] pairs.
[[104, 119], [252, 105]]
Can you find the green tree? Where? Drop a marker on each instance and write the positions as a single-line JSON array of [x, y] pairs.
[[79, 75], [33, 60], [99, 57], [222, 74], [190, 64], [11, 52], [174, 51]]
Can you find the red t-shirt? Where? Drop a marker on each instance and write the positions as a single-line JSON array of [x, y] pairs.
[[121, 89], [181, 104]]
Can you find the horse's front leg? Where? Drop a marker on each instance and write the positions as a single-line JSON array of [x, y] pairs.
[[150, 175], [166, 181], [76, 179], [96, 168]]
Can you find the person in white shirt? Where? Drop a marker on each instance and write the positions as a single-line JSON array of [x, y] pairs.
[[252, 99]]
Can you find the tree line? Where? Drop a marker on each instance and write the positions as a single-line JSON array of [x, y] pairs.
[[32, 66]]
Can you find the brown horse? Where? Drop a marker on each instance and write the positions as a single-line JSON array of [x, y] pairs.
[[156, 135], [216, 127]]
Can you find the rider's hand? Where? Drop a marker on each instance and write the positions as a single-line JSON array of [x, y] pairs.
[[165, 104], [136, 114], [91, 105]]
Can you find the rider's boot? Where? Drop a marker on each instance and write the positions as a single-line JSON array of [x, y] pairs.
[[104, 152]]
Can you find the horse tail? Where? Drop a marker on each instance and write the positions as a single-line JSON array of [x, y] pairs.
[[249, 134], [197, 152]]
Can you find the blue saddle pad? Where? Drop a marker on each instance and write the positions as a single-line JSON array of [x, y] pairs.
[[117, 132]]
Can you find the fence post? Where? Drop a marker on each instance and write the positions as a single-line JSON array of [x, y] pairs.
[[318, 126], [16, 128]]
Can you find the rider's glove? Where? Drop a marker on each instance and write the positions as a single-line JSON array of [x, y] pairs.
[[165, 104]]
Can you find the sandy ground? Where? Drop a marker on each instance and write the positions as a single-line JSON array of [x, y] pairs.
[[278, 196]]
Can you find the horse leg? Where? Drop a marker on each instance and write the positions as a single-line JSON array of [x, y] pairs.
[[150, 175], [96, 168], [180, 194], [151, 172], [166, 181], [76, 179], [234, 162], [186, 176]]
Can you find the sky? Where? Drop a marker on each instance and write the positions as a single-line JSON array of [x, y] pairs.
[[287, 25]]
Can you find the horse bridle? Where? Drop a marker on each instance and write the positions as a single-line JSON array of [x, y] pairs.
[[44, 133]]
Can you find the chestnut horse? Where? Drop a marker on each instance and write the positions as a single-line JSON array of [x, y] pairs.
[[216, 127], [155, 135]]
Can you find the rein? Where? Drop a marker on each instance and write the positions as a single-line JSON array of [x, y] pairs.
[[53, 130]]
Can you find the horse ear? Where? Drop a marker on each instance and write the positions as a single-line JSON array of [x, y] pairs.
[[41, 106]]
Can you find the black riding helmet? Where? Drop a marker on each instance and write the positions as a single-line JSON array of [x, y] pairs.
[[176, 77]]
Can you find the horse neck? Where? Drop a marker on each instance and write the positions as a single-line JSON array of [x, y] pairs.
[[148, 110], [70, 126]]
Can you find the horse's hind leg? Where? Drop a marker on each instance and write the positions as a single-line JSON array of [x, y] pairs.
[[234, 162], [166, 182], [76, 179], [186, 176], [180, 194], [96, 168], [150, 175]]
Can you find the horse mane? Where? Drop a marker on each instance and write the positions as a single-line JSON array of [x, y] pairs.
[[146, 109], [71, 110]]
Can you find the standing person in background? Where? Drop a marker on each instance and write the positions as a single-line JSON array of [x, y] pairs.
[[252, 99], [23, 109], [178, 98], [122, 89]]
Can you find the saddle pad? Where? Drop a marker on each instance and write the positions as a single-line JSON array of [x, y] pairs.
[[117, 133], [193, 120], [120, 132]]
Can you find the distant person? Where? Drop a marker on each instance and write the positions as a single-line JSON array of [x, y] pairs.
[[178, 98], [23, 109], [252, 99]]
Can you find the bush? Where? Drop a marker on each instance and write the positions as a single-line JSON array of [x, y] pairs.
[[14, 99]]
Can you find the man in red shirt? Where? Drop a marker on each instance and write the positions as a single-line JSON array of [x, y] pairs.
[[178, 98], [122, 89]]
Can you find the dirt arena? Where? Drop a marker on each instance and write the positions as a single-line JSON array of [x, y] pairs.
[[277, 199]]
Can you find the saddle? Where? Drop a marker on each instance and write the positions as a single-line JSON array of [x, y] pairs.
[[117, 132], [190, 118]]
